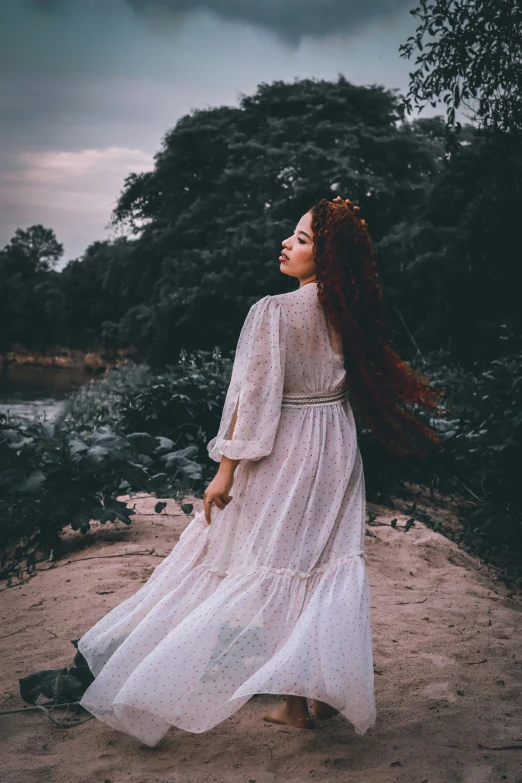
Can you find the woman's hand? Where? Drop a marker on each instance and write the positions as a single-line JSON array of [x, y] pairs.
[[218, 492]]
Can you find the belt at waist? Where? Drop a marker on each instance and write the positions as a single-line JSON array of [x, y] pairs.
[[296, 399]]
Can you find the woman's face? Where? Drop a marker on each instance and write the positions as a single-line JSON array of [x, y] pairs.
[[297, 257]]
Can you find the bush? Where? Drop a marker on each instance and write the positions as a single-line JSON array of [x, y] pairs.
[[183, 403], [479, 455], [137, 430], [52, 476], [128, 432], [482, 448]]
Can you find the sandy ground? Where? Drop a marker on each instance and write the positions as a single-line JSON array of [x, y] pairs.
[[447, 657]]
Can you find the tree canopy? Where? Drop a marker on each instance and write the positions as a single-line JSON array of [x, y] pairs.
[[228, 185]]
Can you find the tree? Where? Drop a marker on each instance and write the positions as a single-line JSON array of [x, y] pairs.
[[227, 187], [474, 58], [38, 244], [28, 287], [229, 184]]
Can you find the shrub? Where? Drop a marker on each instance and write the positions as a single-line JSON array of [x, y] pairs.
[[183, 403], [138, 430], [52, 476], [479, 455], [133, 430], [482, 449]]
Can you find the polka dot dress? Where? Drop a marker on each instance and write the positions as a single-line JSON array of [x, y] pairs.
[[273, 596]]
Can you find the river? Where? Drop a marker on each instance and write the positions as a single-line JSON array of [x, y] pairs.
[[38, 391]]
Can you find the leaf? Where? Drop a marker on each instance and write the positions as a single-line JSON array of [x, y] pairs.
[[97, 453], [110, 441], [12, 476], [165, 444], [18, 443], [189, 451], [143, 459], [77, 446], [143, 442], [32, 484]]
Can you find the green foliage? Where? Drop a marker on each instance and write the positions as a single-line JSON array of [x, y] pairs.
[[183, 403], [128, 432], [52, 476], [227, 187], [483, 445], [38, 245], [108, 442], [469, 54], [206, 227], [480, 452], [452, 267], [28, 286]]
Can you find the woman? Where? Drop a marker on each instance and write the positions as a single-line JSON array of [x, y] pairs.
[[267, 590]]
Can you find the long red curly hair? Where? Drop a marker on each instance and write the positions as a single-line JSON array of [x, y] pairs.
[[380, 383]]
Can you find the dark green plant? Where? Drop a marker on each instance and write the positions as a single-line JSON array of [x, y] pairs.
[[183, 403], [52, 476], [228, 185], [469, 54], [482, 448], [479, 456], [108, 441]]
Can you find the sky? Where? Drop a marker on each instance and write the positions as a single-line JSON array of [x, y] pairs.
[[88, 88]]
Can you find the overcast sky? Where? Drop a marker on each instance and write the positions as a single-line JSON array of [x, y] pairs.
[[89, 87]]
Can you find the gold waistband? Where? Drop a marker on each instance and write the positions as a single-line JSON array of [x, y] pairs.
[[314, 398]]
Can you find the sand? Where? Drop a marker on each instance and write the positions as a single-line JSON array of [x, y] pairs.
[[447, 657]]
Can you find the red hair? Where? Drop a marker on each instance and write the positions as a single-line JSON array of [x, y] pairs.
[[380, 383]]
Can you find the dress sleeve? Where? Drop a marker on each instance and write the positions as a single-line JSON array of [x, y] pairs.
[[257, 381]]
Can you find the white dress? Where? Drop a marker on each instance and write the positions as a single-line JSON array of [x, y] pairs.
[[272, 596]]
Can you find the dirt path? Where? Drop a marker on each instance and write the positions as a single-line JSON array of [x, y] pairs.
[[447, 656]]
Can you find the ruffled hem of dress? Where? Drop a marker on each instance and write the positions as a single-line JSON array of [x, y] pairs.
[[232, 633], [288, 572]]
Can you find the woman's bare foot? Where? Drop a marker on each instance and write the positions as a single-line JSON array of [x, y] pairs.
[[293, 712], [322, 711]]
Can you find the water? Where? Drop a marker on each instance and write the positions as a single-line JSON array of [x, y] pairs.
[[38, 392]]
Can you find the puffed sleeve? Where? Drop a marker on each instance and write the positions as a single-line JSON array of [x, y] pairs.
[[257, 381]]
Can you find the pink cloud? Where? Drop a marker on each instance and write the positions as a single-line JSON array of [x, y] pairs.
[[72, 192]]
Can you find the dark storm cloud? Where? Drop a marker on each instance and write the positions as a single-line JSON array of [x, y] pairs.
[[291, 20], [46, 5]]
